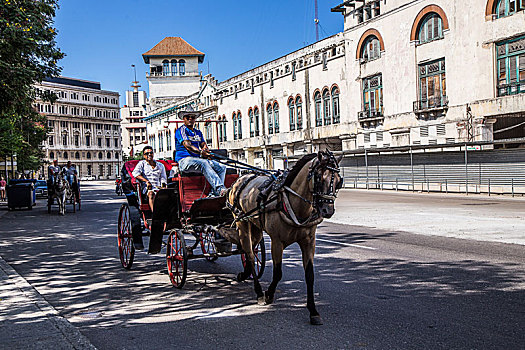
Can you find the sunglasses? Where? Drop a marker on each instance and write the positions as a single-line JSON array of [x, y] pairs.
[[148, 153], [190, 117]]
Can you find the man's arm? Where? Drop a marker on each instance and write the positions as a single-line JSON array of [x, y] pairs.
[[137, 173], [163, 177]]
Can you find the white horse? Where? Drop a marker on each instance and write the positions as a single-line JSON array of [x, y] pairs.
[[61, 191]]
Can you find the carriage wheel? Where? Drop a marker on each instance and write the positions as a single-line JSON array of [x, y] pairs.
[[207, 238], [126, 250], [177, 258], [259, 253]]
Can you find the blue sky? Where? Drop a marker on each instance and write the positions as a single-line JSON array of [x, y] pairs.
[[102, 39]]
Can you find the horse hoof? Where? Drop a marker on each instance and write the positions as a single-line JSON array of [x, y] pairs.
[[240, 277], [260, 300], [268, 299], [316, 320]]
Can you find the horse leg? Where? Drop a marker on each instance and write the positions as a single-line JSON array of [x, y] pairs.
[[249, 268], [277, 258], [307, 249]]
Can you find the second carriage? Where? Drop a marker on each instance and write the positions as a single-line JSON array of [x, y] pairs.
[[186, 215]]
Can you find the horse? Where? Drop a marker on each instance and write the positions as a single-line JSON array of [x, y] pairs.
[[288, 210], [60, 190]]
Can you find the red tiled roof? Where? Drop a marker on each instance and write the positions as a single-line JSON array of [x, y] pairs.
[[172, 46]]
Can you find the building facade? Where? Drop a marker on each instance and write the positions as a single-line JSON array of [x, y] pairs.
[[84, 126], [134, 136], [403, 73]]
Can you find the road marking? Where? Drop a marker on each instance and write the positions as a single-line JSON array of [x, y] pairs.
[[345, 244]]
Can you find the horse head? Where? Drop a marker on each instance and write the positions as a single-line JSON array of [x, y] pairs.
[[326, 182]]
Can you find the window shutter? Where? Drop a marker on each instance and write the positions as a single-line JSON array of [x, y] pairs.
[[521, 58], [436, 27], [513, 71]]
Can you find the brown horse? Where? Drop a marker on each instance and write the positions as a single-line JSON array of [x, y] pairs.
[[289, 211]]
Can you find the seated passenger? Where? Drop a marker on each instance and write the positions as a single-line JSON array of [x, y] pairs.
[[152, 173], [71, 176], [193, 154]]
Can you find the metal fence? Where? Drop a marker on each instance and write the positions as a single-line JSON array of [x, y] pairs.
[[467, 171]]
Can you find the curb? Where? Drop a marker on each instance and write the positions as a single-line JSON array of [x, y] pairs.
[[69, 332]]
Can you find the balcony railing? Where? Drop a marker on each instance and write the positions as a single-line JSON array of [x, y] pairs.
[[511, 89], [370, 114], [438, 102]]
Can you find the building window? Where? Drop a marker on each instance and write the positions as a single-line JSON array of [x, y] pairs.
[[326, 108], [88, 155], [99, 142], [52, 155], [317, 101], [511, 66], [135, 98], [293, 71], [509, 7], [335, 105], [291, 113], [371, 49], [77, 155], [50, 141], [115, 142], [182, 67], [101, 170], [109, 170], [209, 133], [432, 84], [99, 155], [299, 112], [108, 155], [373, 95], [64, 140], [256, 120], [237, 126], [269, 110], [234, 119], [65, 155], [431, 28], [165, 68], [76, 139], [173, 67], [276, 117], [108, 143], [252, 123]]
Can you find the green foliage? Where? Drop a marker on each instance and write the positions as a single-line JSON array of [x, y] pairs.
[[28, 54]]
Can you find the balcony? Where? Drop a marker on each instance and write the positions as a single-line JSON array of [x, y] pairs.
[[431, 105], [370, 117]]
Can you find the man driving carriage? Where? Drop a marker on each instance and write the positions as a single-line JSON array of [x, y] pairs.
[[152, 173], [193, 154], [72, 177]]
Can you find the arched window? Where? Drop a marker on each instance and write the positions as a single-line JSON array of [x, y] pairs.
[[182, 67], [108, 155], [224, 133], [269, 111], [165, 68], [116, 155], [173, 67], [371, 49], [77, 155], [291, 112], [276, 117], [299, 112], [99, 155], [234, 119], [52, 155], [506, 8], [88, 155], [326, 108], [239, 125], [318, 115], [256, 120], [335, 105], [251, 121], [65, 155], [431, 28]]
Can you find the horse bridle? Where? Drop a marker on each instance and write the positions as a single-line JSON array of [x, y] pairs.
[[316, 173]]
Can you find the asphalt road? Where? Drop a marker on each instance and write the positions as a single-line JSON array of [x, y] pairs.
[[375, 289]]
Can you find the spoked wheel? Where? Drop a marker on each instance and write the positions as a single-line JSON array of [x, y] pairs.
[[177, 258], [259, 253], [126, 250], [207, 238]]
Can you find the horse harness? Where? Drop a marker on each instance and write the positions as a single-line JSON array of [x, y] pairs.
[[276, 185]]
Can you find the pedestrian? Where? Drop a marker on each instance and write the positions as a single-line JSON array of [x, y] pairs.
[[3, 184]]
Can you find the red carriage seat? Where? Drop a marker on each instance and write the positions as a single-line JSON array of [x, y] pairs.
[[130, 166]]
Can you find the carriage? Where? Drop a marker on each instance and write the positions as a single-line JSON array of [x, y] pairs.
[[185, 214], [70, 197]]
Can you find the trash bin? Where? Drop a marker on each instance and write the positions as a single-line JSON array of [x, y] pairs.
[[26, 181], [20, 195]]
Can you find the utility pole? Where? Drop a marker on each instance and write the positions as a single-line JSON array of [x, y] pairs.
[[316, 20], [470, 125]]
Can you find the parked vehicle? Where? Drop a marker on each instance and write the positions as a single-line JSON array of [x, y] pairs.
[[41, 188], [88, 178]]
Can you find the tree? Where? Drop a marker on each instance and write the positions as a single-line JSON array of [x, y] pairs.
[[28, 54]]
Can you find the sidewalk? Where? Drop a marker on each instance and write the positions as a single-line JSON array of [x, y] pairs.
[[27, 320]]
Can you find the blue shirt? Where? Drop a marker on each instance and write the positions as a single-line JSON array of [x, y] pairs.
[[186, 134]]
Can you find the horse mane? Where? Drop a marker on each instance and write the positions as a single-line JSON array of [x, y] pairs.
[[297, 168]]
